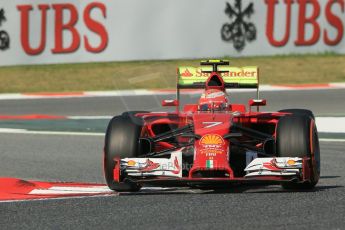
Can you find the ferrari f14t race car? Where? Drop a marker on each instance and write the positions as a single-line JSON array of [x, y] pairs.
[[212, 143]]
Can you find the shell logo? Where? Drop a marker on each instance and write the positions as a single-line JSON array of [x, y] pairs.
[[291, 162], [212, 139], [131, 163]]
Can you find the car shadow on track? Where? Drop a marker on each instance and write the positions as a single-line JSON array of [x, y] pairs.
[[277, 189], [329, 177], [234, 188], [237, 189]]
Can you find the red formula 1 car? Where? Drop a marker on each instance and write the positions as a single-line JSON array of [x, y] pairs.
[[213, 143]]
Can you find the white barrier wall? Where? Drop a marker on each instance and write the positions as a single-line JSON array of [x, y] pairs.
[[57, 31]]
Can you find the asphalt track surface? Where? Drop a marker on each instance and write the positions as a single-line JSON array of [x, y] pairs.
[[67, 158], [321, 102], [79, 158]]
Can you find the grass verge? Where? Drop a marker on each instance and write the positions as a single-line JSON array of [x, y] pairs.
[[290, 69]]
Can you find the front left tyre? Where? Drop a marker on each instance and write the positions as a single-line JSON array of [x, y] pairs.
[[297, 137]]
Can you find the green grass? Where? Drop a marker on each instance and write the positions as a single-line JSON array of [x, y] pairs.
[[285, 69]]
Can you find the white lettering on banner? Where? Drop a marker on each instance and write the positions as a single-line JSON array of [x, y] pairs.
[[55, 31]]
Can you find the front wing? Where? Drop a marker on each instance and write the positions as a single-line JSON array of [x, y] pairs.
[[152, 167], [168, 171]]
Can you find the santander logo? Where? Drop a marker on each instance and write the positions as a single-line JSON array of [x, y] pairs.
[[186, 73]]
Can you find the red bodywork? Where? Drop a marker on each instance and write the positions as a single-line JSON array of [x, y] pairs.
[[211, 127], [222, 157]]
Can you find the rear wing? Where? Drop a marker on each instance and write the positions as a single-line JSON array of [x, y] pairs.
[[234, 77]]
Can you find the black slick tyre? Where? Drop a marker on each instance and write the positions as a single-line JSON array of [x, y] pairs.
[[305, 112], [121, 140], [297, 137]]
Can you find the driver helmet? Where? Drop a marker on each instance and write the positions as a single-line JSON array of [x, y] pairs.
[[213, 100]]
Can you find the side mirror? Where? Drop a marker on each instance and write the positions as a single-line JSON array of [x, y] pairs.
[[170, 102], [257, 102]]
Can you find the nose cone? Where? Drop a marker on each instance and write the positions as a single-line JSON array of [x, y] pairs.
[[218, 123], [211, 150]]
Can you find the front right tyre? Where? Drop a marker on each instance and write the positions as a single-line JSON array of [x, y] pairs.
[[121, 140]]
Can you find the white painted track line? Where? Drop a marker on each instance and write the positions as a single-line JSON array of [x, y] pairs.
[[88, 117], [330, 124], [62, 198], [324, 125], [331, 140], [24, 131], [143, 92], [71, 190]]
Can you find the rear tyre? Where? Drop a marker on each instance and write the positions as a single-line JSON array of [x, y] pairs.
[[305, 112], [121, 140], [297, 137]]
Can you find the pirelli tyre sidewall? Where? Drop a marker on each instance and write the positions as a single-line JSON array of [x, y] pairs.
[[297, 137], [121, 140]]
